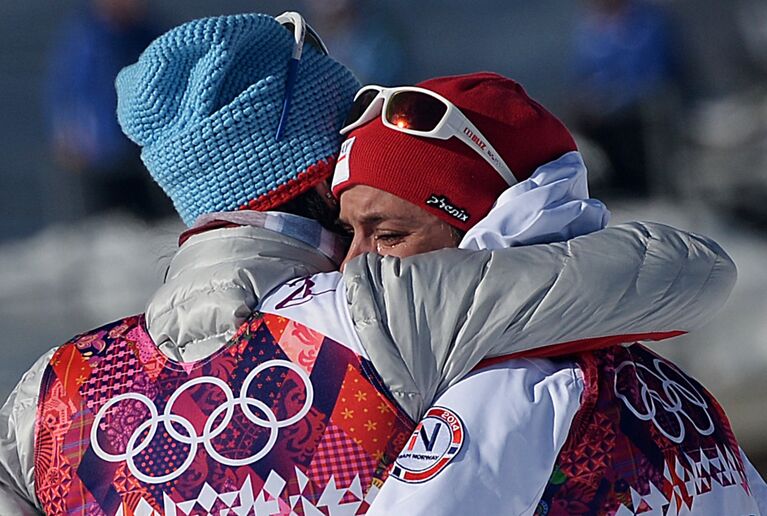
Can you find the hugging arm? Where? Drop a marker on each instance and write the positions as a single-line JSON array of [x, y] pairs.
[[425, 321]]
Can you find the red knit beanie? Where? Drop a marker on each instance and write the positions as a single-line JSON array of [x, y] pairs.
[[446, 177]]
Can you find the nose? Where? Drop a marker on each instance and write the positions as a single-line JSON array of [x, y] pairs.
[[357, 247]]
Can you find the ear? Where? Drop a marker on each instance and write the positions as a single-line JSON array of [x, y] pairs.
[[323, 188]]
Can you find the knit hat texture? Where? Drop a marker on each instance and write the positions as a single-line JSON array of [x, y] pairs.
[[447, 177], [204, 101]]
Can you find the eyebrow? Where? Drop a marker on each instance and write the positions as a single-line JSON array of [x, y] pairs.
[[374, 218]]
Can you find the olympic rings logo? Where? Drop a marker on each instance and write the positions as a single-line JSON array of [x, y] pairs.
[[674, 399], [169, 420]]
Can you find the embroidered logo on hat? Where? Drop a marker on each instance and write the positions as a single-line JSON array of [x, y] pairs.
[[341, 173], [443, 203]]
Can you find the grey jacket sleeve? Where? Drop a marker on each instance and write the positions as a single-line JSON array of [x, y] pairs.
[[755, 483], [17, 443], [425, 321]]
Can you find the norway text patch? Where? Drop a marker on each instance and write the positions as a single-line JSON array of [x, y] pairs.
[[435, 441]]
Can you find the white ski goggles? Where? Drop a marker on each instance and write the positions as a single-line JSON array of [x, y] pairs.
[[422, 112]]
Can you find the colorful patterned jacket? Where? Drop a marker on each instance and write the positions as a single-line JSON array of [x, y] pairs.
[[283, 420], [618, 431], [516, 300]]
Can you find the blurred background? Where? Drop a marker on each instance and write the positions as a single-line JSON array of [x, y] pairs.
[[668, 100]]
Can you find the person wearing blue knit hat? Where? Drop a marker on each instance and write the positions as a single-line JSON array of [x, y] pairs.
[[233, 112], [259, 378]]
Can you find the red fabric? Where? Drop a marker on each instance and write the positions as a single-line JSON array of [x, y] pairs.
[[680, 449], [285, 192], [579, 346], [282, 194], [522, 131], [351, 431]]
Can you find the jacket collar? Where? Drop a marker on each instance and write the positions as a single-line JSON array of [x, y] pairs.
[[217, 277], [305, 230]]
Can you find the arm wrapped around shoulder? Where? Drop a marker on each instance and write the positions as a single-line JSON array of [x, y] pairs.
[[425, 321], [634, 281]]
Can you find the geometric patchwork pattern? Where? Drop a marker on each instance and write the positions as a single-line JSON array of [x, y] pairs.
[[301, 344], [650, 440], [300, 429], [335, 499], [340, 457], [116, 371], [685, 485], [364, 413], [53, 489], [591, 456]]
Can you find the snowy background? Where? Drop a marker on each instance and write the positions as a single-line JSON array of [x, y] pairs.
[[62, 273]]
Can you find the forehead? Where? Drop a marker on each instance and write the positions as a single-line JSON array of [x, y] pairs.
[[363, 204]]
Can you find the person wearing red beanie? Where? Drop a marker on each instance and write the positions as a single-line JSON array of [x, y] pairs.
[[595, 433], [446, 179]]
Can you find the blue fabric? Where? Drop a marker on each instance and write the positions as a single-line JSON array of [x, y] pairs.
[[87, 54], [620, 59], [204, 102]]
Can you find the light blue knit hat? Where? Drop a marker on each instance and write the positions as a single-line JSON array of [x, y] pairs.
[[204, 102]]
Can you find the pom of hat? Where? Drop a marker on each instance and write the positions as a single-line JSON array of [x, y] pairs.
[[446, 177], [204, 101]]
